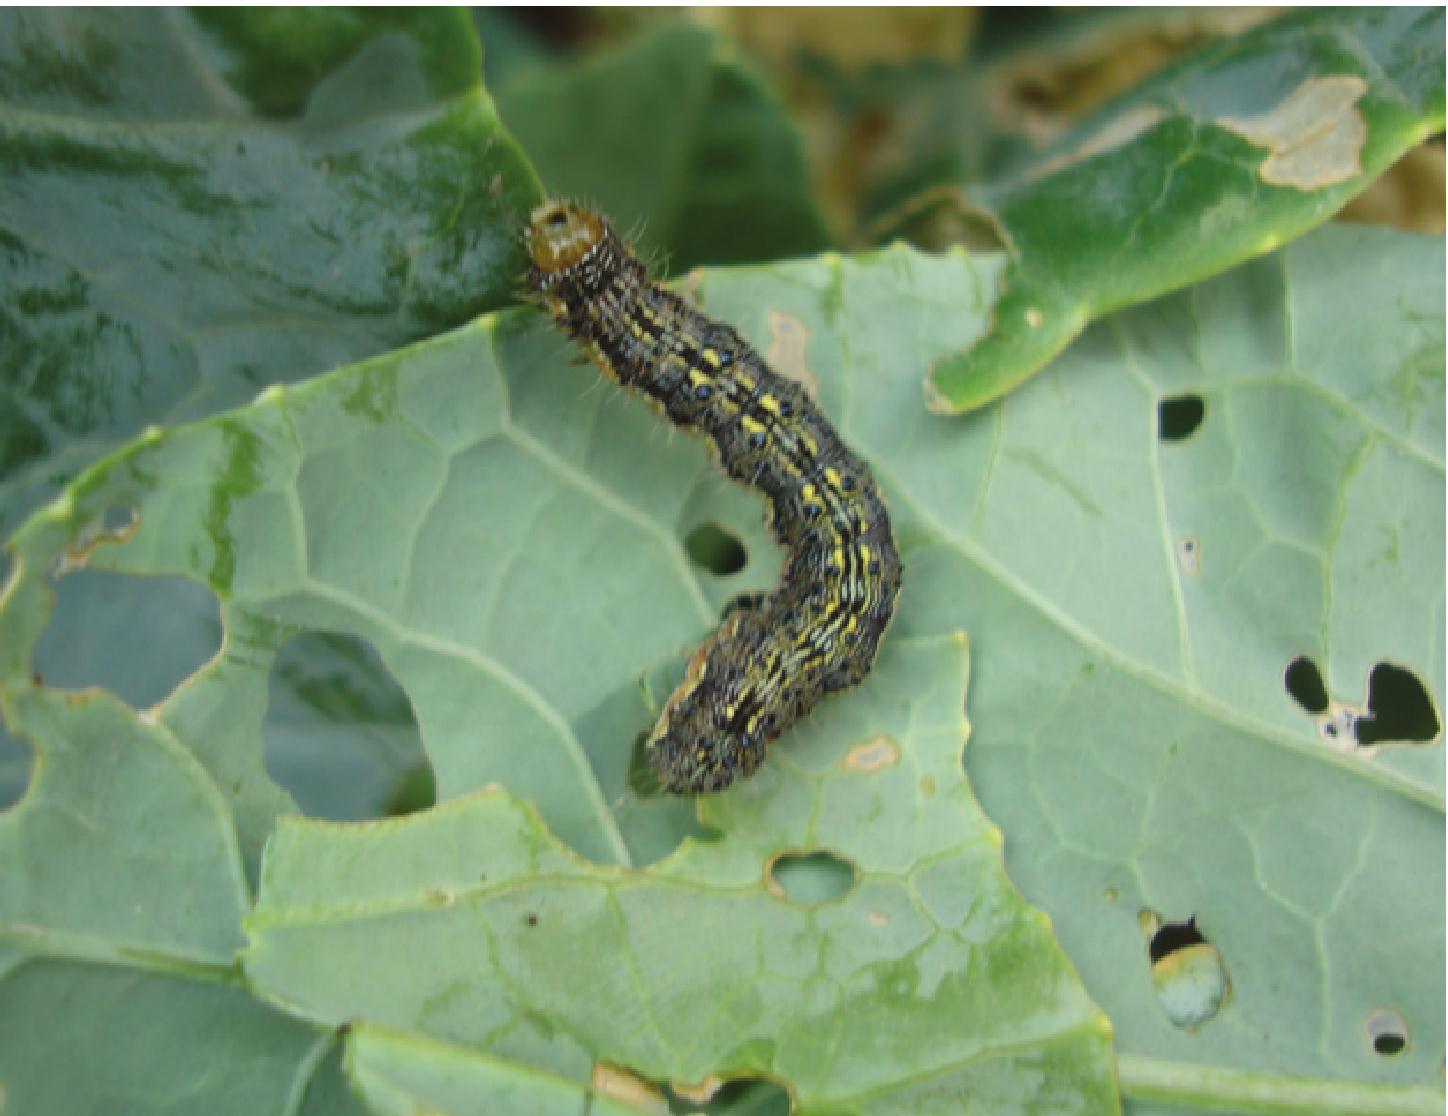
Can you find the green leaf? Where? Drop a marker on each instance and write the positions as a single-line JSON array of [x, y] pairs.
[[676, 137], [1218, 159], [401, 1074], [193, 205], [510, 538], [148, 865], [133, 1043], [927, 983]]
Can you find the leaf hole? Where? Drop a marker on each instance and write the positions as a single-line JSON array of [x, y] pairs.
[[811, 878], [17, 765], [757, 1096], [1387, 1032], [1400, 709], [1304, 683], [1187, 972], [120, 521], [114, 525], [711, 547], [139, 637], [1189, 555], [340, 733], [1178, 417], [641, 777]]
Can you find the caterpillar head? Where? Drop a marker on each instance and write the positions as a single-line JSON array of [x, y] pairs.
[[560, 234], [714, 729]]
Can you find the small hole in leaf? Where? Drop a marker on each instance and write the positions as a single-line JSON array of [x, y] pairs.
[[1187, 972], [17, 765], [641, 777], [711, 547], [120, 520], [139, 637], [1177, 418], [340, 733], [1304, 682], [1387, 1031], [1172, 936], [810, 878], [754, 1096], [1399, 708], [1189, 556], [416, 791]]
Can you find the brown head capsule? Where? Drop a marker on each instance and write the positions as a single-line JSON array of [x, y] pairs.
[[560, 234]]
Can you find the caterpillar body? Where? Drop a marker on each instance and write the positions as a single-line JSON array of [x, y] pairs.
[[774, 658]]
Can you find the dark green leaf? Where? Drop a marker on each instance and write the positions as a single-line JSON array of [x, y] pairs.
[[1220, 158], [676, 137]]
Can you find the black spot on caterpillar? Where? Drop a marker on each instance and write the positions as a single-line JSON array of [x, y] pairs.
[[771, 660]]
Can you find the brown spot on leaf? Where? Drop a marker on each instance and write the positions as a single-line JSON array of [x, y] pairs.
[[1315, 135], [621, 1085], [927, 785], [874, 754], [878, 919], [787, 351], [117, 525]]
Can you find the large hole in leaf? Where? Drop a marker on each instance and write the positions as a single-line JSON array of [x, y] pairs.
[[1387, 1032], [1399, 708], [138, 637], [1177, 418], [1187, 972], [340, 733], [810, 878], [711, 547], [1304, 682]]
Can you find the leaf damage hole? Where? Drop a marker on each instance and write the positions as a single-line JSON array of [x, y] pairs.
[[757, 1096], [1187, 972], [138, 637], [340, 734], [1189, 556], [641, 778], [809, 878], [1173, 936], [1399, 709], [1178, 417], [115, 525], [17, 765], [1304, 682], [711, 547], [1387, 1031]]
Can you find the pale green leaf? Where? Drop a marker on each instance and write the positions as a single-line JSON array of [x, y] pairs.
[[509, 536], [677, 139]]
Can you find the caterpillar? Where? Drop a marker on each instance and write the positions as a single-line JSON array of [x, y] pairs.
[[773, 657]]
